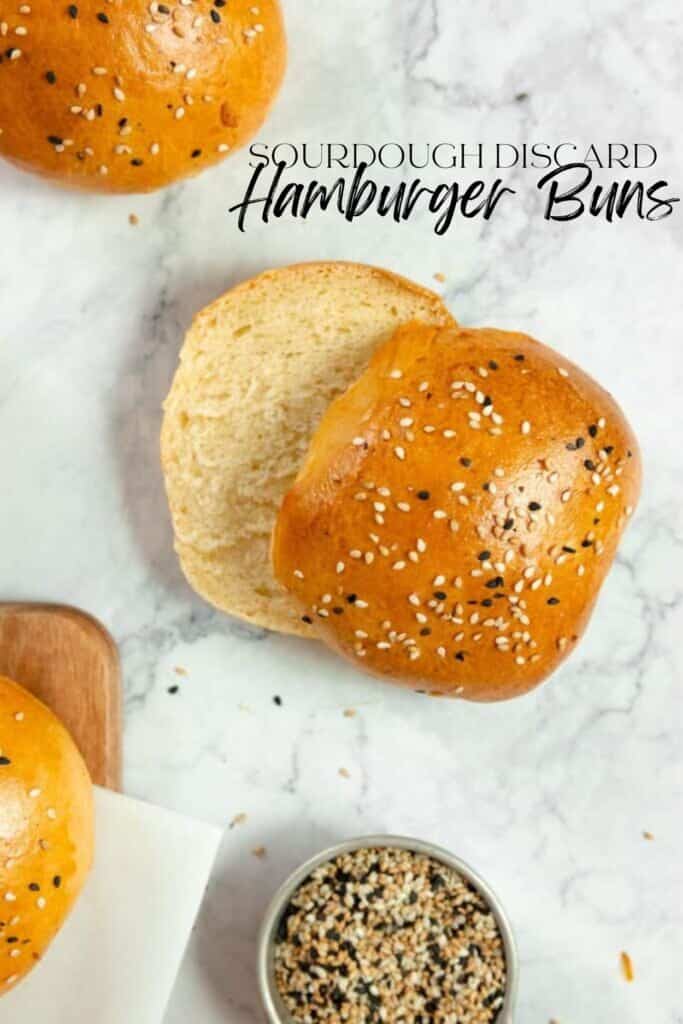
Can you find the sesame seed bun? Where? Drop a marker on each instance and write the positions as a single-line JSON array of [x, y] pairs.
[[46, 840], [129, 97], [458, 511], [257, 371]]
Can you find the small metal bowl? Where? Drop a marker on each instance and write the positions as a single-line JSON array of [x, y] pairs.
[[275, 1008]]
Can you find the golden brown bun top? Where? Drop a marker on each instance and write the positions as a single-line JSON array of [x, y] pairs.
[[46, 829], [128, 95], [458, 511]]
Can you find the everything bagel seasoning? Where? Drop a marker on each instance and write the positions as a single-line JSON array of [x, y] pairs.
[[389, 935]]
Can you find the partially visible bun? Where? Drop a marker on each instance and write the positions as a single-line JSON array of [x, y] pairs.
[[128, 95], [258, 370], [458, 511], [46, 839]]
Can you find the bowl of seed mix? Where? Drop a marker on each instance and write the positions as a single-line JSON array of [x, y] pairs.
[[386, 929]]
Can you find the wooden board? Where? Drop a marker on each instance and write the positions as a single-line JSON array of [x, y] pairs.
[[70, 662]]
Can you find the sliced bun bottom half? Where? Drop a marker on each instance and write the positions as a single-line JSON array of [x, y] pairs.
[[258, 370]]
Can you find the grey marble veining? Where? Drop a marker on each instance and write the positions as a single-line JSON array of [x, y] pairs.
[[547, 796]]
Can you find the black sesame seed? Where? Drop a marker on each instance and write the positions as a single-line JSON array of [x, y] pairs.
[[589, 464], [195, 153], [34, 887], [103, 18], [496, 582], [277, 701], [593, 430], [423, 495], [11, 939], [580, 442], [569, 550], [50, 77], [307, 619], [5, 761], [173, 690], [519, 358], [534, 506], [508, 524], [72, 11], [493, 365], [352, 598], [215, 17], [337, 610], [466, 462], [553, 600], [484, 556], [55, 140], [440, 595], [137, 162], [57, 881]]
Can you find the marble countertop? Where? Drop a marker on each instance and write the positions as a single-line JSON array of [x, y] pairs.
[[548, 796]]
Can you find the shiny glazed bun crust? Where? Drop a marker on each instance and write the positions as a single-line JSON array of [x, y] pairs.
[[46, 830], [458, 511], [128, 95]]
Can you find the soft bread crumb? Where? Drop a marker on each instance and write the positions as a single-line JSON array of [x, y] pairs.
[[257, 371], [627, 967]]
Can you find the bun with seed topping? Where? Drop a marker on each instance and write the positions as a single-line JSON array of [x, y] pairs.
[[46, 839], [130, 96], [458, 511]]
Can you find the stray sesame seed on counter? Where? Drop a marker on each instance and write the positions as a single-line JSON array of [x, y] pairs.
[[475, 508], [84, 69], [388, 934]]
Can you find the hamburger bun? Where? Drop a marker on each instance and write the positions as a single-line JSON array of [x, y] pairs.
[[257, 371], [129, 97], [458, 511], [46, 839]]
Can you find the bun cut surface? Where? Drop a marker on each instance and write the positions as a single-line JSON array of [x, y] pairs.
[[458, 511], [129, 96], [257, 372], [46, 833]]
